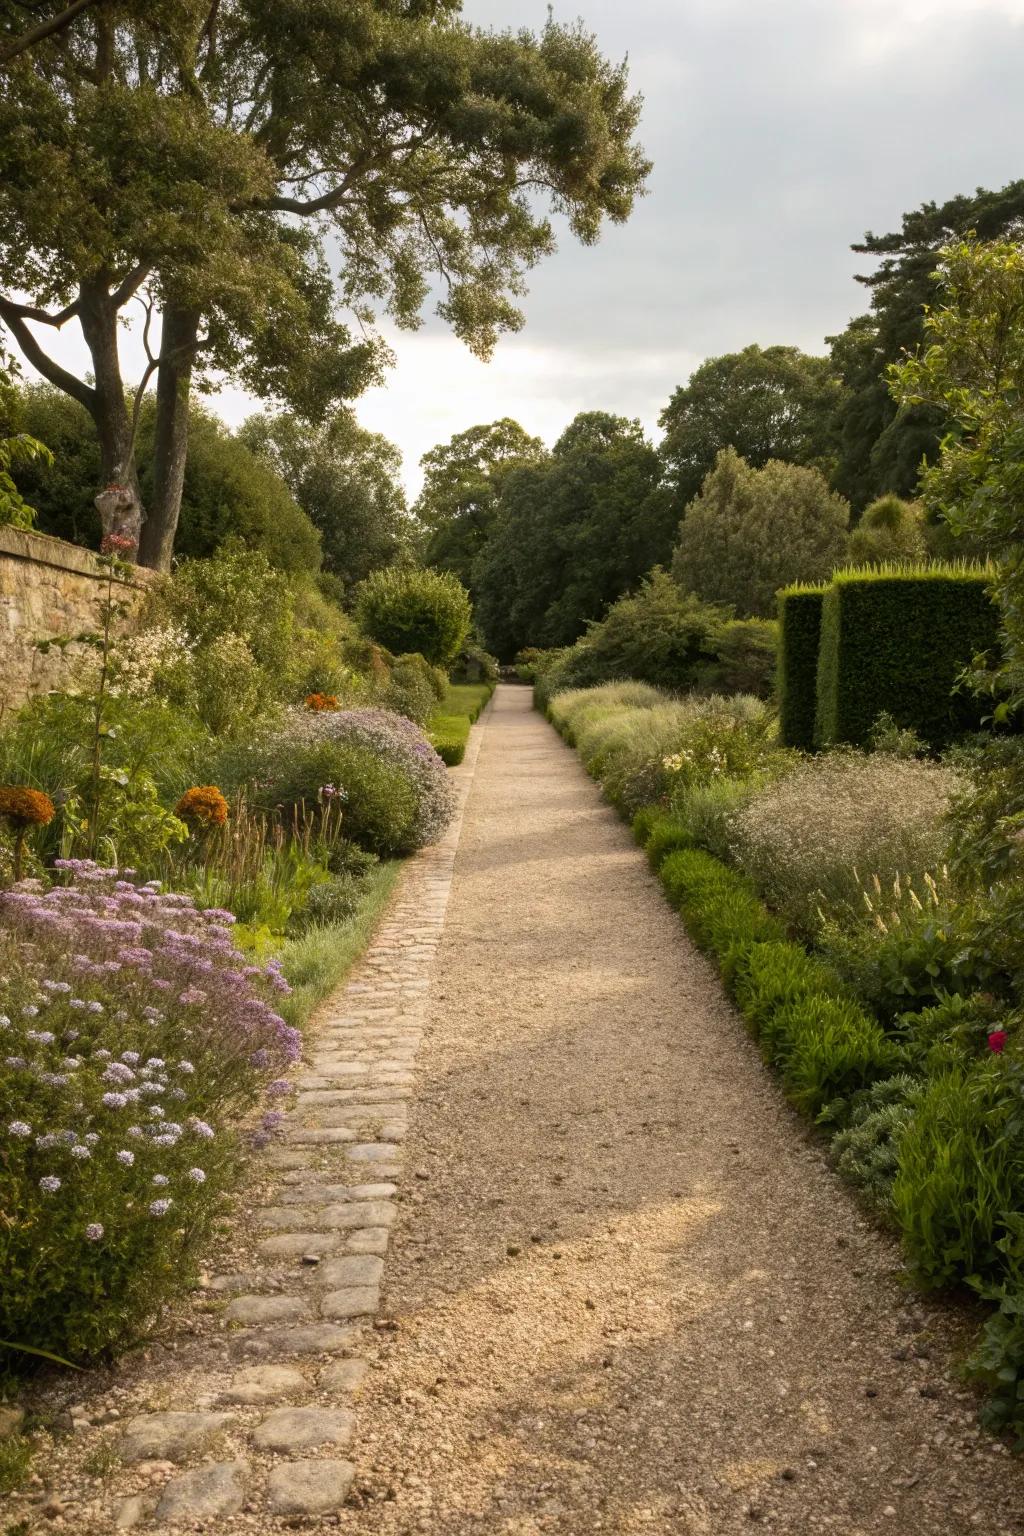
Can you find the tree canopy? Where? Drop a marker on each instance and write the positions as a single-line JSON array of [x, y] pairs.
[[752, 531], [972, 367], [572, 533], [767, 403], [248, 170], [457, 506], [347, 482], [882, 441]]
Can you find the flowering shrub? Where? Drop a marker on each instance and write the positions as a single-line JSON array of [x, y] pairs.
[[203, 805], [133, 1038], [397, 792], [808, 839], [22, 808], [319, 702], [645, 746]]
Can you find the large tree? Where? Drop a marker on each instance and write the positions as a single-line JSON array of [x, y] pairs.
[[229, 492], [767, 403], [882, 441], [458, 504], [752, 531], [573, 532], [248, 170], [346, 480]]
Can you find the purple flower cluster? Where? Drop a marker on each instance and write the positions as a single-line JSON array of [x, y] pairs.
[[398, 740], [176, 1038], [158, 945]]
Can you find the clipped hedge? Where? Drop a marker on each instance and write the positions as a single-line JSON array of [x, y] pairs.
[[897, 640], [799, 639], [824, 1045]]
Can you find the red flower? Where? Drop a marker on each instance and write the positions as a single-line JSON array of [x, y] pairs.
[[997, 1040]]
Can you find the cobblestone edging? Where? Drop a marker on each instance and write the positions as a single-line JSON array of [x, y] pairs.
[[268, 1443]]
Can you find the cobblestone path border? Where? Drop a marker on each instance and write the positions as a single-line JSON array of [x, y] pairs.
[[268, 1446]]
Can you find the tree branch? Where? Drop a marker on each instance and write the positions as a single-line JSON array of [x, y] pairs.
[[43, 316], [152, 364], [134, 280], [41, 361], [49, 28]]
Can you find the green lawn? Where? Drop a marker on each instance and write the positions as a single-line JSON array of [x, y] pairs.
[[448, 727]]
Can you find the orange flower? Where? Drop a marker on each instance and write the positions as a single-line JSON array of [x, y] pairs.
[[25, 807], [203, 804], [322, 701]]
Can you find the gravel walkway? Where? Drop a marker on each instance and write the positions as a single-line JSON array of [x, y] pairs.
[[624, 1293]]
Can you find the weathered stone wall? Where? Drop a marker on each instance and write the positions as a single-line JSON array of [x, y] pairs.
[[50, 591]]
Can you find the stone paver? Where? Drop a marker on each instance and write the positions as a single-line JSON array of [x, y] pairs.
[[294, 1321], [215, 1489], [169, 1436], [309, 1488]]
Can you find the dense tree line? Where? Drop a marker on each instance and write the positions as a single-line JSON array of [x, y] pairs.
[[774, 466]]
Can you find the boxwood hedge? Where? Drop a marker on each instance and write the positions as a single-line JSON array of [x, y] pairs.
[[799, 635], [897, 640]]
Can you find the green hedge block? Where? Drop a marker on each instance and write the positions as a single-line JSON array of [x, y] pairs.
[[797, 676], [897, 640]]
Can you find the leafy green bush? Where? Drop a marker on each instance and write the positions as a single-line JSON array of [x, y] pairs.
[[772, 974], [826, 1049], [287, 770], [664, 835], [961, 1170], [890, 529], [866, 1149], [899, 640], [666, 637], [474, 665], [414, 688], [405, 610], [799, 642], [719, 907], [751, 531], [744, 659]]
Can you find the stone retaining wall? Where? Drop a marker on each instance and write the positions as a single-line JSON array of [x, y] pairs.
[[50, 591]]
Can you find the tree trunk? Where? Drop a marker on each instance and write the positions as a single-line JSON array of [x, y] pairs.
[[109, 407], [170, 449]]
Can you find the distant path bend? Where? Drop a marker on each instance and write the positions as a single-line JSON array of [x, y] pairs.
[[629, 1295]]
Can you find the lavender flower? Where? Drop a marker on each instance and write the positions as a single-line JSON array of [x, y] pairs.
[[94, 1231], [160, 1180], [49, 1185], [160, 1207], [126, 1159], [197, 1175], [19, 1128]]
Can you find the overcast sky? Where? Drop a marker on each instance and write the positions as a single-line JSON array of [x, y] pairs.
[[780, 131]]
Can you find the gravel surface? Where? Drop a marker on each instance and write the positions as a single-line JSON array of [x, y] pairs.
[[625, 1293]]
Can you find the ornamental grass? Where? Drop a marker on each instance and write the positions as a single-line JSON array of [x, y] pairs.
[[811, 839]]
